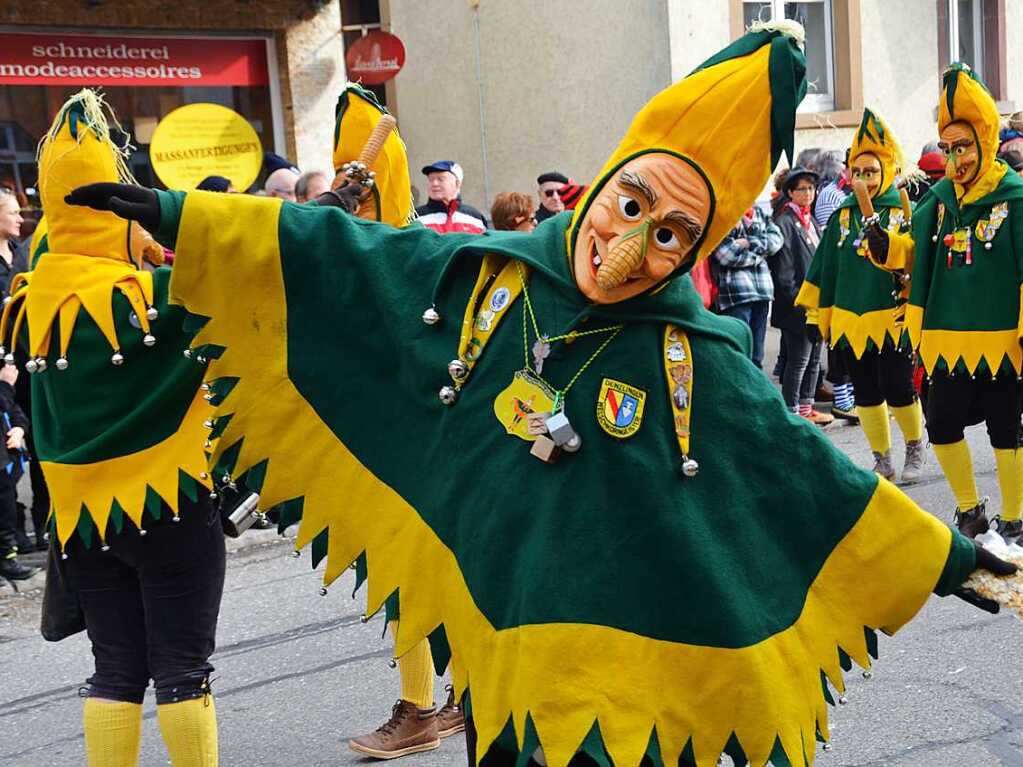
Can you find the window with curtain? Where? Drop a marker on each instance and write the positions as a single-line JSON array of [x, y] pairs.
[[816, 18]]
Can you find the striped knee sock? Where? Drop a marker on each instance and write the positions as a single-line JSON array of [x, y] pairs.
[[844, 397]]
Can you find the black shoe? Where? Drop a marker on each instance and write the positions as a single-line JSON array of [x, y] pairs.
[[1010, 531], [13, 570], [972, 522], [23, 542]]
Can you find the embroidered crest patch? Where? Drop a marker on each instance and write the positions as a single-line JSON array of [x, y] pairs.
[[620, 408]]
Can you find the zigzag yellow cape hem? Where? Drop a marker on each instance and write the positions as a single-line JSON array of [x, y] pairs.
[[994, 347], [95, 487], [858, 329]]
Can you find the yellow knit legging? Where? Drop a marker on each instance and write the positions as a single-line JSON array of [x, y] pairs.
[[958, 468], [416, 670], [113, 730], [189, 729], [874, 420], [1009, 464], [911, 421]]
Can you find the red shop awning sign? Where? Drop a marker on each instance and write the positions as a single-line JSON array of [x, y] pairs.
[[375, 58], [59, 59]]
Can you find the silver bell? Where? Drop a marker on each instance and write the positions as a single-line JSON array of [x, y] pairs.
[[61, 363], [40, 364], [987, 246], [3, 351], [323, 591], [9, 359], [392, 663], [31, 366], [187, 353], [175, 518], [842, 700], [117, 358], [7, 300], [458, 369], [448, 395], [868, 674], [152, 313], [208, 423], [690, 468], [204, 386], [827, 747], [934, 238], [431, 316], [149, 339]]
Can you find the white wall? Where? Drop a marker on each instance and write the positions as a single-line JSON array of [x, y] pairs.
[[698, 29], [561, 82], [316, 69]]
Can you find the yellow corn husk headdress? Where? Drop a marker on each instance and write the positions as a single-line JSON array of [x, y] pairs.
[[732, 119], [965, 98], [78, 150], [358, 113], [876, 138]]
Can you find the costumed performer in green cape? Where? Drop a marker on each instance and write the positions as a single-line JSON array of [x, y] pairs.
[[361, 149], [118, 418], [534, 441], [963, 314], [857, 307]]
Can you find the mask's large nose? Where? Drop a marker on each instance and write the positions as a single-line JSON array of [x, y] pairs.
[[624, 258]]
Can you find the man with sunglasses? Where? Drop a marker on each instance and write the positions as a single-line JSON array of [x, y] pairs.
[[548, 191]]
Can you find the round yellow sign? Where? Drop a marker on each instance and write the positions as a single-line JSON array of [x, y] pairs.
[[200, 140]]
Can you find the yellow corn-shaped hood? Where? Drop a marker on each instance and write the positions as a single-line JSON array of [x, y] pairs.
[[358, 113], [76, 151], [876, 138], [732, 118], [965, 98]]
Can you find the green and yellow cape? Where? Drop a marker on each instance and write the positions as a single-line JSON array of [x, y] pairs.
[[114, 440]]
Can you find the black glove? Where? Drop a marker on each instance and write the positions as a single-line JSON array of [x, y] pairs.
[[813, 334], [877, 240], [135, 203], [347, 197], [986, 561]]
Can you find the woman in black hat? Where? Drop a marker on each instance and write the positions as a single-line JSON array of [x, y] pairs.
[[794, 216]]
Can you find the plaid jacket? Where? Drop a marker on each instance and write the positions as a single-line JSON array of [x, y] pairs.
[[741, 272]]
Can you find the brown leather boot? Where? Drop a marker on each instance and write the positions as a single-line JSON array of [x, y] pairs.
[[408, 731], [451, 718]]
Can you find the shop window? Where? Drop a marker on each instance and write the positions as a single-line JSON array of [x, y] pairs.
[[833, 54], [27, 108], [973, 32]]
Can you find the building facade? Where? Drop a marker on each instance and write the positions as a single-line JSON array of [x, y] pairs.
[[508, 89], [512, 89], [279, 63]]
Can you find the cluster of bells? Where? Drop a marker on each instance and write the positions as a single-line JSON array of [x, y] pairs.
[[457, 368], [39, 364], [360, 173]]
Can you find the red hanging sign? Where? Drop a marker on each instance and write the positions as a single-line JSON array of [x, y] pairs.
[[375, 58], [59, 59]]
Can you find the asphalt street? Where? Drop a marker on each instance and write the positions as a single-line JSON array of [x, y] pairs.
[[298, 674]]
